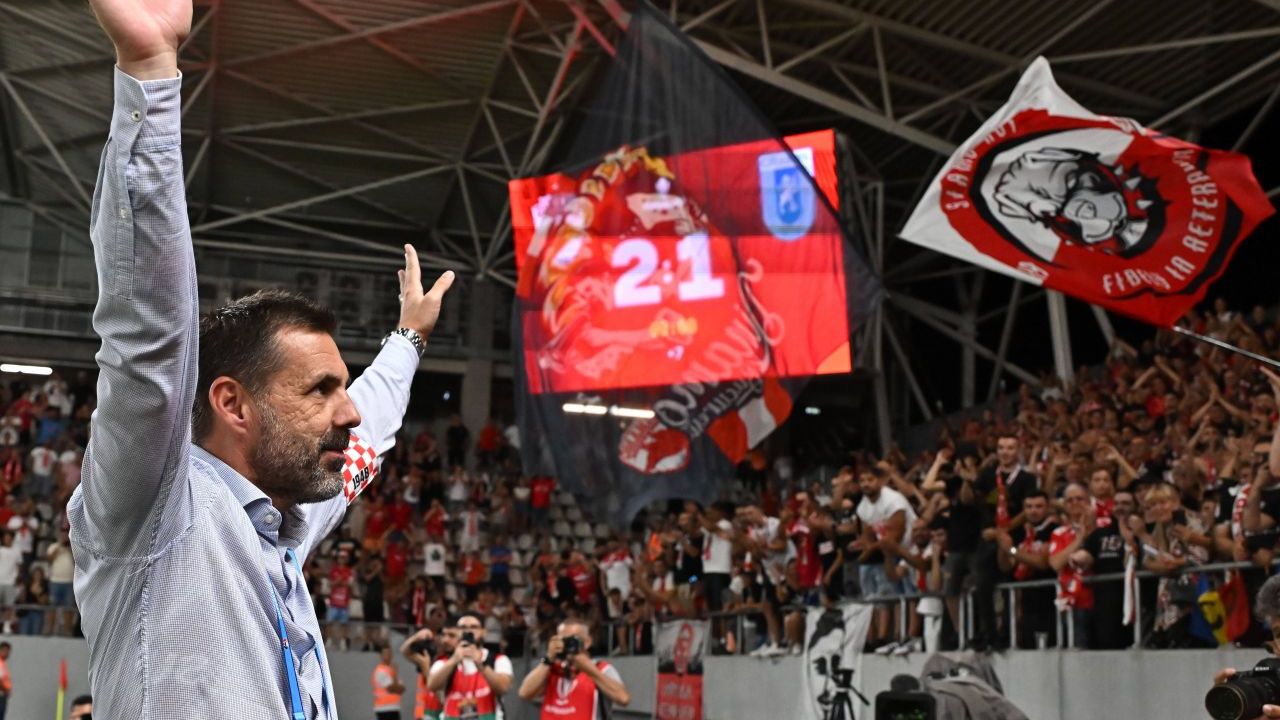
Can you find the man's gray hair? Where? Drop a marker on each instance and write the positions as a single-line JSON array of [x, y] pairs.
[[1267, 604]]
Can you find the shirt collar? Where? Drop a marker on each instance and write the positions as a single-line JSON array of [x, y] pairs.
[[287, 529]]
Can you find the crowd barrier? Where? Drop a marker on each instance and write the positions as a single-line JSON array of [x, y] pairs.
[[965, 631]]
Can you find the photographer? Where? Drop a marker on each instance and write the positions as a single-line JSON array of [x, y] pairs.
[[420, 649], [1266, 607], [472, 678], [556, 680]]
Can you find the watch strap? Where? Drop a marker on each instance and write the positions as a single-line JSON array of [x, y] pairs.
[[419, 343]]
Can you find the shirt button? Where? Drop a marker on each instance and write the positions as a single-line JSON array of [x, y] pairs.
[[270, 518], [137, 116], [124, 214]]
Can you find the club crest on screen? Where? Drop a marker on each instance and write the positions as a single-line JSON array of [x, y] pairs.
[[787, 198]]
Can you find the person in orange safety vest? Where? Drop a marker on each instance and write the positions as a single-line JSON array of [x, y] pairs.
[[386, 688]]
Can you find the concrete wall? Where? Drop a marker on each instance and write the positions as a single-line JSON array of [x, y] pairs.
[[1047, 686]]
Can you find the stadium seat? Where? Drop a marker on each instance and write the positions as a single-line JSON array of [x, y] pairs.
[[561, 529], [582, 529], [588, 545], [525, 542], [573, 514], [603, 531]]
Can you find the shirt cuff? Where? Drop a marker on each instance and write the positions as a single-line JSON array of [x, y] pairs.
[[149, 112], [401, 353]]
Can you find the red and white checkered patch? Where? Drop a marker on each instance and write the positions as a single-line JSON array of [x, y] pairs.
[[360, 468]]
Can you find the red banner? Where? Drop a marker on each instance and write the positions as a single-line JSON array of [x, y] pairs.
[[680, 649]]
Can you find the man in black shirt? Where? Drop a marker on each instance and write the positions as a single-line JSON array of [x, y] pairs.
[[963, 523], [1002, 489], [1104, 551], [457, 438], [1025, 554]]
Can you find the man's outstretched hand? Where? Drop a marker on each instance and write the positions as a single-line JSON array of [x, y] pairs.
[[419, 310], [146, 34]]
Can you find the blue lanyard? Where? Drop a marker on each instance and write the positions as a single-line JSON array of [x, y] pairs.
[[290, 666]]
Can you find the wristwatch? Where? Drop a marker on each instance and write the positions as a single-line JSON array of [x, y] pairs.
[[548, 661], [412, 336]]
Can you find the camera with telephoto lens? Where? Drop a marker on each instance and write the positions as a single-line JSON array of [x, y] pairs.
[[1242, 697], [572, 646], [423, 647]]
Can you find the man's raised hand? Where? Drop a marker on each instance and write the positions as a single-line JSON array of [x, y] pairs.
[[146, 34], [419, 310]]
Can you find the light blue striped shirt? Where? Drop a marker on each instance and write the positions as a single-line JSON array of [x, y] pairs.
[[174, 550]]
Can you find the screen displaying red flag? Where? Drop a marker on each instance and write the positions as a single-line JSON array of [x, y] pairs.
[[1099, 208]]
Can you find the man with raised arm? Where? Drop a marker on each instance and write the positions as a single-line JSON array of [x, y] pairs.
[[223, 449]]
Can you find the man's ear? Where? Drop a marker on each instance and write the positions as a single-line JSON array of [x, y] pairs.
[[230, 403]]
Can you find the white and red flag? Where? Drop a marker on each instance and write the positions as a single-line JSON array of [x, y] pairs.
[[1099, 208]]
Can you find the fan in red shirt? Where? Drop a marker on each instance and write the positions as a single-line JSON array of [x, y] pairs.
[[1102, 488], [377, 523], [435, 519], [401, 513], [474, 574], [808, 565], [583, 577], [1073, 592], [339, 604], [540, 492], [396, 562]]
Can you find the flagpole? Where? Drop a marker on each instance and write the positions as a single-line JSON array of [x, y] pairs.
[[1227, 346]]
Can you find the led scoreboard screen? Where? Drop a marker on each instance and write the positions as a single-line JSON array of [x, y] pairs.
[[706, 266]]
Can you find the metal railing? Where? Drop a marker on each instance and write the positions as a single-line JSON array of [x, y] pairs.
[[965, 626]]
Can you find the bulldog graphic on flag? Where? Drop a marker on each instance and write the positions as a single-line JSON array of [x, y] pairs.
[[1097, 207]]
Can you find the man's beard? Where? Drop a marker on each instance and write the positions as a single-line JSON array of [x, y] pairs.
[[289, 465]]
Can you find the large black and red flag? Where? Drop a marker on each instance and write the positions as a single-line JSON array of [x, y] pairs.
[[1097, 207], [679, 279]]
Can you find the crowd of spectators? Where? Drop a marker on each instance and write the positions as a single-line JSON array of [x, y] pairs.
[[1160, 459], [44, 427]]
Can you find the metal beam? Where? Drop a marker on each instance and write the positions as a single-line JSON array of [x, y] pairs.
[[826, 99], [1104, 325], [343, 117], [882, 68], [1006, 334], [763, 23], [1060, 330], [317, 199], [981, 350], [946, 42], [904, 364], [1190, 42], [383, 45], [373, 32], [821, 47], [548, 103], [319, 182], [21, 104], [1258, 117], [1224, 85], [1009, 68], [318, 107]]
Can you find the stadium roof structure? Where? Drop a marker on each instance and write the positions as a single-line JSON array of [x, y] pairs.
[[333, 131]]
